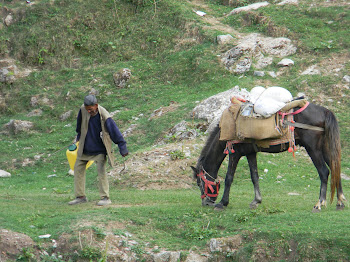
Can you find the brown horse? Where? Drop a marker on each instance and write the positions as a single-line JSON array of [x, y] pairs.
[[323, 147]]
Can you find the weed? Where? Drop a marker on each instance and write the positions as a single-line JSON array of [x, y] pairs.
[[90, 253], [199, 232], [177, 154], [100, 234], [27, 255]]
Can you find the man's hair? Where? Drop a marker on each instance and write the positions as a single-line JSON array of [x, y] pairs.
[[90, 100]]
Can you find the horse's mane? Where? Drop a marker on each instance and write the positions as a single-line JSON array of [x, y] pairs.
[[207, 145]]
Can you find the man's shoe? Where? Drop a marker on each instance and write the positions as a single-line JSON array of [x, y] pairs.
[[78, 200], [104, 201]]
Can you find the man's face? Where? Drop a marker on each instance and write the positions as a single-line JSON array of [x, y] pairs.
[[92, 110]]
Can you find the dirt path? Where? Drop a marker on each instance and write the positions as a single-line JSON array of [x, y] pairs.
[[212, 21]]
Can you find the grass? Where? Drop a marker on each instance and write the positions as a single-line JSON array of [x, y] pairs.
[[76, 46], [174, 219]]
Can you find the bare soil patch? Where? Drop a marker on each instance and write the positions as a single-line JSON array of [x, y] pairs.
[[163, 167]]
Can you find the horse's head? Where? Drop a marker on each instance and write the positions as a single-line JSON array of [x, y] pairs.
[[208, 185]]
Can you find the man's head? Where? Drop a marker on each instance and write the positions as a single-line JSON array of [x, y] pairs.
[[90, 103]]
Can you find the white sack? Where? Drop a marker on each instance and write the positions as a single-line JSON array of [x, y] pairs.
[[256, 92], [277, 93], [267, 106]]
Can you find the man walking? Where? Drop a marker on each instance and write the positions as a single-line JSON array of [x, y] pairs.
[[96, 131]]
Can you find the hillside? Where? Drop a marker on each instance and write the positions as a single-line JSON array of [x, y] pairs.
[[53, 53]]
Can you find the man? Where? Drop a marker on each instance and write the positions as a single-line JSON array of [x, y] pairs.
[[96, 132]]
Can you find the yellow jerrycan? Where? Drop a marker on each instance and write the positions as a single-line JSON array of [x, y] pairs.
[[71, 153]]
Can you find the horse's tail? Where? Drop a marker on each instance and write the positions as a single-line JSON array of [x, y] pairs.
[[332, 142]]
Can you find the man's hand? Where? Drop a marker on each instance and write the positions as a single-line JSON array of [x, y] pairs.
[[125, 155]]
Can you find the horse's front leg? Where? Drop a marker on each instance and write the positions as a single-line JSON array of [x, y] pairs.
[[232, 165], [253, 166]]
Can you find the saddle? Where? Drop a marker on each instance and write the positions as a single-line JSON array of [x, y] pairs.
[[237, 124]]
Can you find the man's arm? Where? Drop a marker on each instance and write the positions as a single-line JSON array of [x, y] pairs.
[[116, 136]]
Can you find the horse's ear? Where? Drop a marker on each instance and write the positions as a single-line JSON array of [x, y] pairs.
[[194, 170]]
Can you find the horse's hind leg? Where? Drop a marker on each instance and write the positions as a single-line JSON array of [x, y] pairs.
[[255, 179], [323, 172], [232, 165], [340, 195], [341, 198]]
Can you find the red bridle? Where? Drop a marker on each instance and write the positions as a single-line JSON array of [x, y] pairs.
[[209, 184]]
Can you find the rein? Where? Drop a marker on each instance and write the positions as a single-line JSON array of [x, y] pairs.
[[209, 185]]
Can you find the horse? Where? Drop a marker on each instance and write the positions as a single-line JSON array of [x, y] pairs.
[[322, 145]]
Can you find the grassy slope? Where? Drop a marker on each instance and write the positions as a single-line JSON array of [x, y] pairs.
[[93, 39]]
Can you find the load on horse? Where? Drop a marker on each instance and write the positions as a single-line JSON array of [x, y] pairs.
[[270, 121]]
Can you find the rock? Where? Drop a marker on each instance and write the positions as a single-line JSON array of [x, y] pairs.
[[182, 132], [280, 46], [193, 257], [3, 173], [289, 2], [238, 60], [129, 131], [166, 256], [285, 62], [9, 71], [16, 126], [122, 77], [35, 112], [225, 244], [224, 39], [66, 115], [346, 78], [8, 20], [272, 74], [263, 61], [248, 8], [259, 73], [6, 76], [312, 70], [34, 101], [211, 108]]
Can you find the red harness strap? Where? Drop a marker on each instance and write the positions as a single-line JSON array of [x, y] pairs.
[[295, 112], [209, 184]]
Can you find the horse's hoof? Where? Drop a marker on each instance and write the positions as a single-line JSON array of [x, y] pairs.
[[219, 207], [254, 205], [208, 203], [340, 206], [316, 210]]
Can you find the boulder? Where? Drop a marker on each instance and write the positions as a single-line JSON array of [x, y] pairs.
[[289, 2], [4, 173], [285, 62], [17, 126], [211, 108], [122, 77], [225, 244], [166, 256], [254, 6], [8, 20], [224, 39], [238, 60]]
